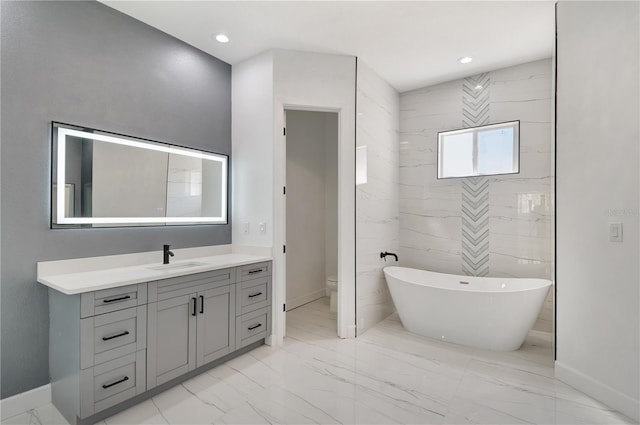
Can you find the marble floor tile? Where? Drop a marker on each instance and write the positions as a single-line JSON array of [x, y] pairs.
[[385, 376], [43, 415], [145, 412]]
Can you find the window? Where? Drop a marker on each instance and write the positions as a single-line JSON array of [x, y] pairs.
[[479, 151]]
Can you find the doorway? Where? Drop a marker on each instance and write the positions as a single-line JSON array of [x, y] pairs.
[[311, 222]]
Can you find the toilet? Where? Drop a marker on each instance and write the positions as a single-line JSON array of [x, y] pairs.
[[332, 291]]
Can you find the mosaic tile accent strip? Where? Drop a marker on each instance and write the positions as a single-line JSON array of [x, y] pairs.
[[475, 190]]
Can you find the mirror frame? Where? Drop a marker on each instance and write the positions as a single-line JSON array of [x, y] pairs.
[[59, 132]]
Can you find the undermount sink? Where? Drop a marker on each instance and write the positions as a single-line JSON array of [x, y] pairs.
[[176, 266]]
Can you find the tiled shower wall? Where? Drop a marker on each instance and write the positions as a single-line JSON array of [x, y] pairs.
[[488, 226], [377, 224]]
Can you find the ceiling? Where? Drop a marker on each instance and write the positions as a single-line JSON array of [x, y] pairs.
[[410, 44]]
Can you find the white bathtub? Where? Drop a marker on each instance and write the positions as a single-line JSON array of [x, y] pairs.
[[483, 312]]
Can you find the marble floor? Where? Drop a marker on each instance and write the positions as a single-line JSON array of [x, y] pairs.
[[386, 376]]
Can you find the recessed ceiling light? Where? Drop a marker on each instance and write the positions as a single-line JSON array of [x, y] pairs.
[[465, 59], [478, 87], [221, 38]]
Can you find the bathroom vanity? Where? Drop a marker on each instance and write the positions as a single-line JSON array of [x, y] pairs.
[[118, 336]]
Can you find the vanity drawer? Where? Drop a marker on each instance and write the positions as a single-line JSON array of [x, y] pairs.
[[113, 382], [253, 294], [252, 327], [112, 335], [184, 285], [254, 271], [108, 300]]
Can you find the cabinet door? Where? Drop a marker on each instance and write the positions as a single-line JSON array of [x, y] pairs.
[[216, 324], [171, 343]]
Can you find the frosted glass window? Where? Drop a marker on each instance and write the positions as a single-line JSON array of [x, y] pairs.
[[457, 155], [479, 151]]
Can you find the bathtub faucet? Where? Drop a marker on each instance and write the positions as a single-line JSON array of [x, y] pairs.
[[384, 255]]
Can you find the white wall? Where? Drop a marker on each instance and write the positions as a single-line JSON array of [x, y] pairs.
[[252, 150], [377, 222], [598, 110], [320, 82], [307, 210], [262, 88]]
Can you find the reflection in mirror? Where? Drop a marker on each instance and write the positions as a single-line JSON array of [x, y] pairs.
[[113, 180]]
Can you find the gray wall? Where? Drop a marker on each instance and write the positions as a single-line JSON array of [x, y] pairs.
[[84, 63]]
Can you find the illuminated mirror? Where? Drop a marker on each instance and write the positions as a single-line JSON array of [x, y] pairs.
[[112, 180]]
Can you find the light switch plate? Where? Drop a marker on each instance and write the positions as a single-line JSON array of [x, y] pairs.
[[263, 227], [245, 227], [615, 232]]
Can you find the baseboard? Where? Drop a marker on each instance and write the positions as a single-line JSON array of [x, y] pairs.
[[305, 299], [598, 390], [25, 401], [351, 332]]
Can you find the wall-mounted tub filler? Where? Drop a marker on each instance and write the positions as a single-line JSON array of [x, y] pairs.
[[384, 255]]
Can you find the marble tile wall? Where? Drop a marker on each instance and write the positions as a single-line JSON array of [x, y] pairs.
[[519, 206], [377, 222]]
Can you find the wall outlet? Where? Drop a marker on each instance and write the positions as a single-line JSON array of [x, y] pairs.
[[263, 227], [615, 232], [245, 227]]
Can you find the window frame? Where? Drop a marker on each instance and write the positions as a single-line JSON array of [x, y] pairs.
[[515, 124]]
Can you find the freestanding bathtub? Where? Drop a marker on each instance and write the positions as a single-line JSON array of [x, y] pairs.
[[483, 312]]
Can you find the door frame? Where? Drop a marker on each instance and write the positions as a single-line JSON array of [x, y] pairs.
[[346, 320]]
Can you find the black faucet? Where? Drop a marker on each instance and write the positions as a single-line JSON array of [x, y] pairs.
[[166, 254], [384, 255]]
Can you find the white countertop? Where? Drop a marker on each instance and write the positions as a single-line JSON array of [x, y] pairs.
[[77, 283]]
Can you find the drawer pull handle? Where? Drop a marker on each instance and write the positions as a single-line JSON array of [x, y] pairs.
[[107, 338], [105, 386], [255, 271], [194, 305], [254, 326], [201, 304], [255, 295], [112, 300]]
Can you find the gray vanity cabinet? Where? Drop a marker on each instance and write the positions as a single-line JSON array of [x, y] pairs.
[[97, 349], [253, 303], [216, 325], [191, 323], [112, 347], [171, 339]]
